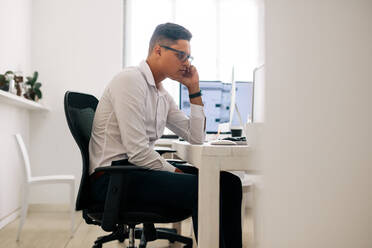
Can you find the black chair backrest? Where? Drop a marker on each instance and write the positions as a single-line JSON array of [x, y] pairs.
[[79, 110]]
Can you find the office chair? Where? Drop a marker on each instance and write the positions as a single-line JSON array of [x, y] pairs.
[[79, 110]]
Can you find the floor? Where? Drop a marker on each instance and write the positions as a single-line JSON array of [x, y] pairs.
[[50, 229]]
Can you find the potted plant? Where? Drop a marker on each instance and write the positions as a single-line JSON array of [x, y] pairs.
[[33, 92], [5, 79]]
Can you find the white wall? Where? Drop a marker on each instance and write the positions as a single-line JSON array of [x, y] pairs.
[[317, 154], [15, 30], [15, 25], [76, 45]]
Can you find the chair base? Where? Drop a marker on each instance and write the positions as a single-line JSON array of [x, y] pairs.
[[122, 233]]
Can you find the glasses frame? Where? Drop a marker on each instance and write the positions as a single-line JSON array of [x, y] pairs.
[[180, 54]]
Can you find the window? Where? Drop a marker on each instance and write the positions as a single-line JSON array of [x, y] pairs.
[[225, 35]]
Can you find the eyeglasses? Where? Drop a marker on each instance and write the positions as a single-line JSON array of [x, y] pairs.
[[180, 54]]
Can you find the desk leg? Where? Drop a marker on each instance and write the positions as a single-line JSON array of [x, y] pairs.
[[209, 207]]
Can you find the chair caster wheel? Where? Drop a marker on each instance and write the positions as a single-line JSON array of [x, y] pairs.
[[97, 246], [121, 240]]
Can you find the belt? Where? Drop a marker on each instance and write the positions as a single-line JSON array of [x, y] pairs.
[[96, 175]]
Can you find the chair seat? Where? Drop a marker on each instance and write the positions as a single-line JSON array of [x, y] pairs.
[[53, 179]]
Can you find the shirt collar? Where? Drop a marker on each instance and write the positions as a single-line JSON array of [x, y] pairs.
[[145, 69]]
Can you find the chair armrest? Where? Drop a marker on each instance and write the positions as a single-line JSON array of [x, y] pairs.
[[116, 192], [120, 168]]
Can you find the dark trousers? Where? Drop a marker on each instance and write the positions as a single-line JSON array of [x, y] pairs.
[[174, 192]]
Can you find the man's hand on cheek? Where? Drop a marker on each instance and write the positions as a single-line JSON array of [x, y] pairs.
[[190, 78]]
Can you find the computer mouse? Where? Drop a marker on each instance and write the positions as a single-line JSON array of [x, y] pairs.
[[222, 142]]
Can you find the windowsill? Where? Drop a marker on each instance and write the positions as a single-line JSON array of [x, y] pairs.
[[11, 99]]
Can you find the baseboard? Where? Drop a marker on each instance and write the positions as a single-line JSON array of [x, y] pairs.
[[9, 218]]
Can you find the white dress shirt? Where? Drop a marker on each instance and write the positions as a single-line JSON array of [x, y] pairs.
[[131, 116]]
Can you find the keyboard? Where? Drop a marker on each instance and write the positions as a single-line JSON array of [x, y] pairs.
[[237, 140]]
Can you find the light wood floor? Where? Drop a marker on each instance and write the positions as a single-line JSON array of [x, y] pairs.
[[50, 229]]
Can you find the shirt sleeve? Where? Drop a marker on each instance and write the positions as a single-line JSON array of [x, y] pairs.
[[128, 94], [192, 128]]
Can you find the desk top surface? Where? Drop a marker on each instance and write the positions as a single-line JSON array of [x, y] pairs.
[[228, 157], [213, 150]]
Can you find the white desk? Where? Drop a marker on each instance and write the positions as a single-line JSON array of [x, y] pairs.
[[210, 160]]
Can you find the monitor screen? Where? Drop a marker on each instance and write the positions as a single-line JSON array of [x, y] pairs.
[[216, 99]]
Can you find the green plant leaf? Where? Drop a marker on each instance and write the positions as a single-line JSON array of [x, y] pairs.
[[9, 72], [29, 81], [38, 93], [37, 86], [36, 75]]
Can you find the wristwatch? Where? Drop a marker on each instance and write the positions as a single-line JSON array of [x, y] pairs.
[[195, 94]]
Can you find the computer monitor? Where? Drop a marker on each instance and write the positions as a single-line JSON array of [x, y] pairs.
[[213, 92], [216, 99]]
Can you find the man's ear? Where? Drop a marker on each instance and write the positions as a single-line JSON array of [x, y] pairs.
[[157, 50]]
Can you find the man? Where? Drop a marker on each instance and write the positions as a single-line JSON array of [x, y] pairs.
[[131, 116]]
